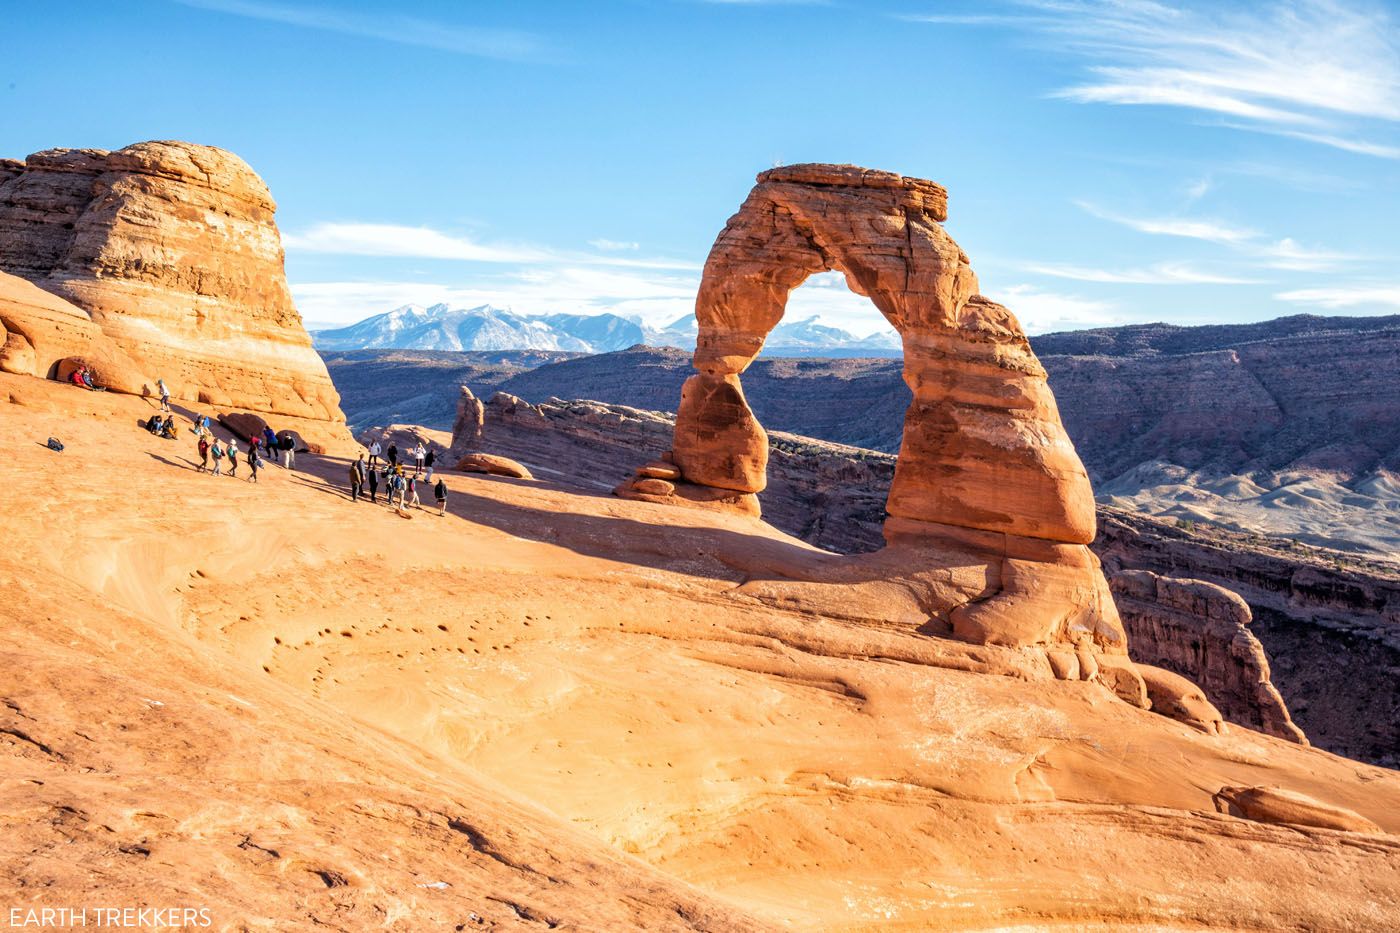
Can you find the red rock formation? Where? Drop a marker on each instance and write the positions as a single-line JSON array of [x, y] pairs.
[[39, 331], [1202, 631], [172, 249], [986, 472]]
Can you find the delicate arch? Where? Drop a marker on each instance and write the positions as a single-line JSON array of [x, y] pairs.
[[983, 444]]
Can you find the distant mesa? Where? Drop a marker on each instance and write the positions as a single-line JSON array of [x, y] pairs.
[[169, 265]]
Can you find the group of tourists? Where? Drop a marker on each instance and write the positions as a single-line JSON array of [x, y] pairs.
[[423, 457], [400, 485], [82, 378]]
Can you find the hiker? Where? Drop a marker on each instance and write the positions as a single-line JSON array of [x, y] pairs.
[[233, 456], [164, 395], [431, 457], [413, 491], [153, 425], [374, 452], [270, 444], [440, 493], [201, 424], [254, 461], [289, 451], [167, 430], [400, 487], [418, 454], [216, 450], [203, 447], [357, 478], [373, 482], [393, 455]]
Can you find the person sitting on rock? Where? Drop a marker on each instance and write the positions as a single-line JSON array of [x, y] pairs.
[[167, 429], [153, 425]]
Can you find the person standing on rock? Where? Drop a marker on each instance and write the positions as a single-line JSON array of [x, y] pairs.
[[203, 448], [289, 452], [393, 455], [233, 456], [374, 451], [254, 461], [357, 478], [431, 457], [413, 492], [164, 395], [373, 483], [440, 494], [216, 450], [270, 444], [418, 454]]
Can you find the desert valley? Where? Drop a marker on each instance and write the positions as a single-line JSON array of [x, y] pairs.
[[652, 670]]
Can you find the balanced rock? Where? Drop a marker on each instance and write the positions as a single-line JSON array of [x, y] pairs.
[[490, 463], [172, 250]]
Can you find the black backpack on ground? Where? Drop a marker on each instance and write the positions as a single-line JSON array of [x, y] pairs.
[[54, 443]]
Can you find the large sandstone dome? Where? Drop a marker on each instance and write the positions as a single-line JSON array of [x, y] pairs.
[[172, 250]]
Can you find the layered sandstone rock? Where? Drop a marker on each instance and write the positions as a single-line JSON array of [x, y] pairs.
[[172, 250], [1202, 631], [40, 331], [986, 474]]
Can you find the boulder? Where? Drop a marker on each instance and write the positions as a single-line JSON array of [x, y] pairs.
[[1178, 698], [1289, 808], [496, 466], [243, 424]]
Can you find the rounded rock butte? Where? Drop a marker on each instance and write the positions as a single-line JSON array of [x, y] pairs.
[[985, 465]]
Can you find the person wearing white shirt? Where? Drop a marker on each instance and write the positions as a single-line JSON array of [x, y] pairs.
[[374, 452]]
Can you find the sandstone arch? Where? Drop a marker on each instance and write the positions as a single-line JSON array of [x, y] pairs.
[[989, 496], [983, 444]]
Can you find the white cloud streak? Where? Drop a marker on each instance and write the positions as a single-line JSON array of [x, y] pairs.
[[1322, 71], [401, 241], [481, 42], [1043, 312], [1381, 296], [1164, 273]]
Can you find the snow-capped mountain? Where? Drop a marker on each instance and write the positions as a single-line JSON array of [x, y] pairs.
[[440, 327]]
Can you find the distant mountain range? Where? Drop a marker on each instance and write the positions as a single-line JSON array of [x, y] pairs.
[[441, 327]]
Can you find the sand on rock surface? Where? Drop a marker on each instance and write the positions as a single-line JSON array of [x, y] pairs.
[[549, 708]]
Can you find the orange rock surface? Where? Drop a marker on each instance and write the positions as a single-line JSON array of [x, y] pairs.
[[555, 707], [172, 250]]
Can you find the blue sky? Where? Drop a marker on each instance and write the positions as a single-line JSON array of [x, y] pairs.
[[1107, 162]]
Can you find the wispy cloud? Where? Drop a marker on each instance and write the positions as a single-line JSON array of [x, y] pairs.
[[400, 241], [1285, 253], [1324, 71], [1212, 231], [614, 245], [1164, 273], [1041, 311], [483, 42], [1355, 296]]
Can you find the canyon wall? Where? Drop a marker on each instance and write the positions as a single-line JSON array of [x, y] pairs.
[[172, 250]]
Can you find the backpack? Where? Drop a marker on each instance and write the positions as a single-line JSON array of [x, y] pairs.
[[55, 444], [218, 452]]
